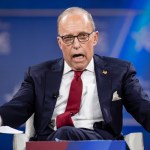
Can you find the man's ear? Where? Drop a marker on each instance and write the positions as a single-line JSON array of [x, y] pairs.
[[96, 34]]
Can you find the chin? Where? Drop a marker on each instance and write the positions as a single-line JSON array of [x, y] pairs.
[[79, 68]]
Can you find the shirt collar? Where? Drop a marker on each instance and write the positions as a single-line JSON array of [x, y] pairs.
[[90, 67], [67, 68]]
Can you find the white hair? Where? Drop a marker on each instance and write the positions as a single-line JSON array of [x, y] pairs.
[[72, 10]]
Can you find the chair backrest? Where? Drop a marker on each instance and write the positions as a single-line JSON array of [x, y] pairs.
[[135, 141], [19, 140], [29, 127]]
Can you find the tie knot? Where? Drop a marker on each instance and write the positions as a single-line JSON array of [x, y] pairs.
[[77, 74]]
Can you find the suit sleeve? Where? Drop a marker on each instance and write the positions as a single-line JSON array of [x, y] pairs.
[[19, 109], [136, 101]]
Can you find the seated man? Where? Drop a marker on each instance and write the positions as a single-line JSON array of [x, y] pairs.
[[80, 96]]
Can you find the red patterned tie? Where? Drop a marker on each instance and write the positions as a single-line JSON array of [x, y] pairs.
[[73, 104]]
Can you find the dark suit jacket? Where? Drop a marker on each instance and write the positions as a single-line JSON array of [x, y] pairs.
[[38, 94]]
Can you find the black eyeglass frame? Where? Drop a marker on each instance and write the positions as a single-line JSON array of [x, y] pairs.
[[77, 36]]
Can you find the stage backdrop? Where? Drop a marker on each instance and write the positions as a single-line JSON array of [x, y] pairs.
[[29, 37]]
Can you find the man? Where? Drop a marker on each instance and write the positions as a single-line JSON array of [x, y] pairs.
[[103, 84]]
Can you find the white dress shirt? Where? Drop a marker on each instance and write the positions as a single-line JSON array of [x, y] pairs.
[[90, 111]]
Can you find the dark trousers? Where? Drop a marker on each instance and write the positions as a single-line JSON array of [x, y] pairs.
[[75, 134]]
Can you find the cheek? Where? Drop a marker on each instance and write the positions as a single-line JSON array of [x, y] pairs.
[[89, 49], [66, 52], [90, 54]]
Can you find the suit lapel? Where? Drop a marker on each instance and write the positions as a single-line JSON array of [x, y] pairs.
[[103, 79], [52, 85]]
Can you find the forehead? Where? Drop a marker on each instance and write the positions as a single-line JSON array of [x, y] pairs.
[[74, 23]]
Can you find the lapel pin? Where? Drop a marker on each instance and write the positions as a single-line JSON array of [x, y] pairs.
[[104, 72]]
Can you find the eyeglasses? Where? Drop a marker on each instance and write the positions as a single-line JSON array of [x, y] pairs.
[[82, 37]]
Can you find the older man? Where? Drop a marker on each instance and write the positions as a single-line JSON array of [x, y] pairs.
[[79, 96]]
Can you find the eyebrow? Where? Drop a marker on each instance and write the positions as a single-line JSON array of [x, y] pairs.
[[74, 35]]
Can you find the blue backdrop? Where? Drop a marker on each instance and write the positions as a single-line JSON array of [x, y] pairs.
[[28, 35]]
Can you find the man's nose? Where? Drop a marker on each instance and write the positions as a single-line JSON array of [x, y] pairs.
[[76, 43]]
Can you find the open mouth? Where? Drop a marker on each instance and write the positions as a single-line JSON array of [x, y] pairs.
[[78, 58], [78, 55]]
